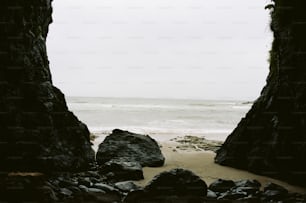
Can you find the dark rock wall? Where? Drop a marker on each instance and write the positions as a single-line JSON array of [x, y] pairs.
[[37, 132], [271, 139]]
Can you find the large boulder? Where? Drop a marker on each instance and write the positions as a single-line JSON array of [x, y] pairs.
[[129, 146], [174, 185], [37, 131], [177, 182]]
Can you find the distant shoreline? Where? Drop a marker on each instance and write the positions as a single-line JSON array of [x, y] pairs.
[[240, 101]]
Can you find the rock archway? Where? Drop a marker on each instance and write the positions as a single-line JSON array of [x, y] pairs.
[[37, 131]]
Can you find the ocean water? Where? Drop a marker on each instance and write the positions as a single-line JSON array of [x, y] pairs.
[[162, 119]]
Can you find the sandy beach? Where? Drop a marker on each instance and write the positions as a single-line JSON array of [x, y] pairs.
[[202, 163], [197, 154]]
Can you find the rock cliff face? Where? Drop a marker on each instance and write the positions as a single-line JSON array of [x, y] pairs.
[[271, 139], [37, 132]]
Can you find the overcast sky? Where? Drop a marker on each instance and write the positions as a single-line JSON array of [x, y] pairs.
[[199, 49]]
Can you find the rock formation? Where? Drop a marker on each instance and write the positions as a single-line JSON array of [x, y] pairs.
[[271, 139], [37, 132], [123, 154], [132, 147], [176, 185]]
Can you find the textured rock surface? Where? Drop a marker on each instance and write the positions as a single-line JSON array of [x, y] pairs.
[[221, 185], [120, 170], [37, 132], [67, 187], [271, 139], [129, 146], [178, 184], [126, 186]]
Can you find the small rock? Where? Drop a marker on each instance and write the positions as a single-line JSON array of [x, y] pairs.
[[93, 174], [273, 186], [135, 196], [123, 170], [74, 189], [274, 195], [221, 185], [232, 195], [247, 190], [48, 193], [249, 199], [67, 183], [65, 192], [275, 192], [126, 186], [95, 190], [84, 181], [104, 187], [83, 188], [110, 175], [248, 183], [95, 180], [211, 194]]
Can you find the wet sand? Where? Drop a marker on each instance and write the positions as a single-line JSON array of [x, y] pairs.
[[202, 163]]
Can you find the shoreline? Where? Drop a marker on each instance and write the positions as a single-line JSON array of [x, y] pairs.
[[202, 163], [196, 153]]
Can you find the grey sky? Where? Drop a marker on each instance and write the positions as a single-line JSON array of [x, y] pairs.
[[200, 49]]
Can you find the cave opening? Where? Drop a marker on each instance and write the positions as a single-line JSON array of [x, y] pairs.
[[47, 151], [161, 50]]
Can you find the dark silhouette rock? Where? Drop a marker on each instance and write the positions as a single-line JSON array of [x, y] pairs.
[[122, 169], [105, 187], [185, 188], [37, 131], [221, 185], [95, 197], [248, 183], [273, 186], [273, 191], [96, 190], [126, 186], [178, 184], [130, 147], [271, 139], [122, 155], [64, 192], [232, 195], [84, 181]]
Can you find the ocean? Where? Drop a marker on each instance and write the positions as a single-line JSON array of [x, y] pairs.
[[162, 119]]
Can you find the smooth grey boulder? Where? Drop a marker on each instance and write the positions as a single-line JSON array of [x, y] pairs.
[[131, 147]]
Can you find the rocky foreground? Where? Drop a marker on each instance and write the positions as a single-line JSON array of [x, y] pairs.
[[177, 185], [120, 159]]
